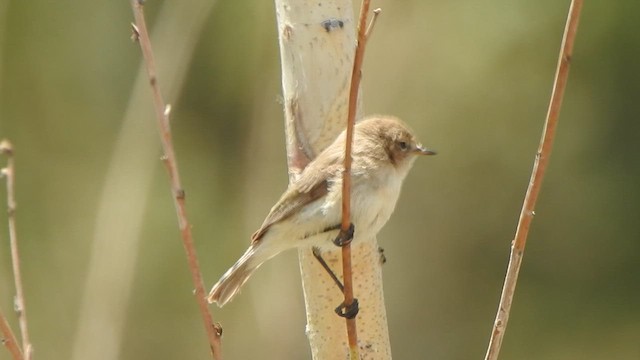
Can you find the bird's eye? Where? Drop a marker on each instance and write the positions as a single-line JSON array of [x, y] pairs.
[[403, 146]]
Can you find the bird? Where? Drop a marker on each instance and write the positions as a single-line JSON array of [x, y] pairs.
[[309, 212]]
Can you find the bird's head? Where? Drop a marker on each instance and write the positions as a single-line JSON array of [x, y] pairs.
[[397, 140]]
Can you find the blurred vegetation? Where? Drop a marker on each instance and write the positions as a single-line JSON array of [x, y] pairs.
[[473, 78]]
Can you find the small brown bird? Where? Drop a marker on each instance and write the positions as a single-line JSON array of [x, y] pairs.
[[309, 212]]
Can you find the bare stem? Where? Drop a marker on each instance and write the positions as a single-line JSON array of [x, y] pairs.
[[20, 307], [356, 76], [214, 331], [9, 340], [537, 175], [372, 23]]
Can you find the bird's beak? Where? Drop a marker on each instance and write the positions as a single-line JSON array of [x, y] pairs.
[[421, 150]]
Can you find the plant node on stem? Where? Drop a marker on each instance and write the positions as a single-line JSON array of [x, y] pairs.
[[9, 173], [537, 175], [140, 33]]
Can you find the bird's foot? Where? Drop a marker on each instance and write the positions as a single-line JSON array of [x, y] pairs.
[[344, 237], [348, 311]]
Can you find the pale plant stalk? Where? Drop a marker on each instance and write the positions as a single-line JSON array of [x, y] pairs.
[[8, 172], [539, 168], [213, 331], [317, 43]]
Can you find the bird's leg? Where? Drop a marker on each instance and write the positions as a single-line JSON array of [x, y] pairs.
[[318, 256], [347, 311], [344, 237]]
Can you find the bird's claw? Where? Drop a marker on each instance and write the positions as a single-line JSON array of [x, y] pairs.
[[348, 311], [344, 237]]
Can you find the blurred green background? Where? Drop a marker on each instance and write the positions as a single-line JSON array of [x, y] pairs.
[[98, 232]]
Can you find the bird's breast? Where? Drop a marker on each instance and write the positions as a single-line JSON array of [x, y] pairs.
[[373, 202]]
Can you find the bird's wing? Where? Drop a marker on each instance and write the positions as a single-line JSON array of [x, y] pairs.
[[312, 185]]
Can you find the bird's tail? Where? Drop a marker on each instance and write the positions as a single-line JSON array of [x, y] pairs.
[[230, 283]]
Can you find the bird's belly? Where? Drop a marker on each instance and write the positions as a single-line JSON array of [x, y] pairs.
[[371, 207]]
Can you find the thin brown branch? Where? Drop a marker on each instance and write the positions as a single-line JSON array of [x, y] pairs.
[[214, 331], [9, 340], [537, 175], [356, 76], [9, 173]]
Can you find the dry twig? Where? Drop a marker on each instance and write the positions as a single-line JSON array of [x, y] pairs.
[[346, 177], [140, 33], [9, 340], [9, 173], [537, 175]]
